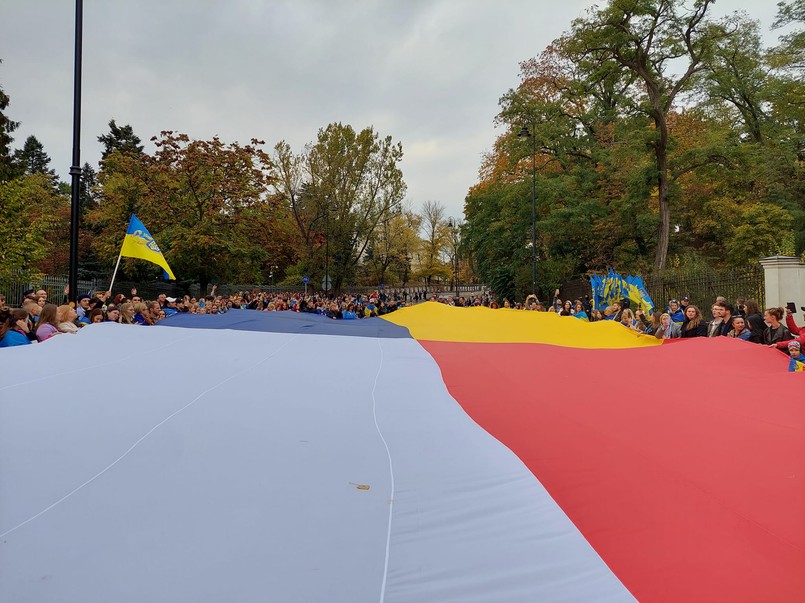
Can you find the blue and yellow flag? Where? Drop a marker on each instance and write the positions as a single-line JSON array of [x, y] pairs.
[[612, 287], [140, 244]]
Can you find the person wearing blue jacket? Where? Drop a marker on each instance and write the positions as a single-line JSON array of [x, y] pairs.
[[15, 329], [675, 312]]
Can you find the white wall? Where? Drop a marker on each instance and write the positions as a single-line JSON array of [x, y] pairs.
[[785, 282]]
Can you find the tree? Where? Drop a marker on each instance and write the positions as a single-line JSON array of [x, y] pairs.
[[121, 139], [736, 74], [760, 233], [32, 159], [33, 216], [7, 126], [200, 199], [435, 242], [663, 44], [392, 245], [338, 191], [790, 54]]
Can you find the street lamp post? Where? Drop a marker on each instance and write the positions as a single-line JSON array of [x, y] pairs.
[[525, 133], [75, 168], [453, 226], [271, 274]]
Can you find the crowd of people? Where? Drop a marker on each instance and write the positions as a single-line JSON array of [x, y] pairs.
[[37, 319]]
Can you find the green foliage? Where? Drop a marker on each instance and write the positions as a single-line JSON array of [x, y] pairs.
[[620, 164], [121, 139], [203, 201], [339, 191], [32, 159], [763, 230], [7, 127], [31, 214]]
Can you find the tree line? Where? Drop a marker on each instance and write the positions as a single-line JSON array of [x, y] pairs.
[[665, 138], [227, 212]]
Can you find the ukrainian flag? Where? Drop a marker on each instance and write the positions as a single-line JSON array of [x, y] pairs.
[[613, 287], [140, 244]]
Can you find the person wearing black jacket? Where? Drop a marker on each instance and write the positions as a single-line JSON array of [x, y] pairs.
[[754, 320], [726, 318], [694, 324]]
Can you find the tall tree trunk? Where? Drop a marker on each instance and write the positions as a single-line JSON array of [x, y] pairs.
[[663, 189]]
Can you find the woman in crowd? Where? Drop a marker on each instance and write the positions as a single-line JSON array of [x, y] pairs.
[[141, 316], [127, 313], [48, 324], [694, 324], [579, 311], [651, 323], [66, 317], [567, 309], [112, 313], [627, 319], [15, 329], [797, 333], [96, 315], [775, 332], [739, 330], [666, 328], [754, 321]]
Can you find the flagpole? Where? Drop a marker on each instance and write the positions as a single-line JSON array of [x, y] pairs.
[[115, 272]]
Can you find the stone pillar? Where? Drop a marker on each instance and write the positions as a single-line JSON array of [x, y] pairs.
[[785, 282]]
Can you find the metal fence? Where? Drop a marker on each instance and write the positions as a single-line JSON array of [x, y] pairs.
[[701, 288], [15, 288]]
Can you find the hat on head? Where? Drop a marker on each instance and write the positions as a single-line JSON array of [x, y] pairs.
[[170, 299], [685, 299], [673, 301], [794, 344], [80, 297]]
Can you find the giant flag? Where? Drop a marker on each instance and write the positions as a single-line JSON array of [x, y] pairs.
[[437, 454]]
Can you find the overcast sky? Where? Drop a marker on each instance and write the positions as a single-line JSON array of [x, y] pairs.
[[427, 72]]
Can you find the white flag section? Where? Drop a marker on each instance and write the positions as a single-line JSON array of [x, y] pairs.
[[167, 465]]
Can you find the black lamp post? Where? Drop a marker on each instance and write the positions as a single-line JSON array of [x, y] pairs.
[[75, 168], [524, 133], [453, 226]]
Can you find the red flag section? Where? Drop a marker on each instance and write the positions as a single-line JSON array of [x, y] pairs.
[[683, 465]]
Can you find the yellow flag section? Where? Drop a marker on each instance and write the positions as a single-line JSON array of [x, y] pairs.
[[433, 321]]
